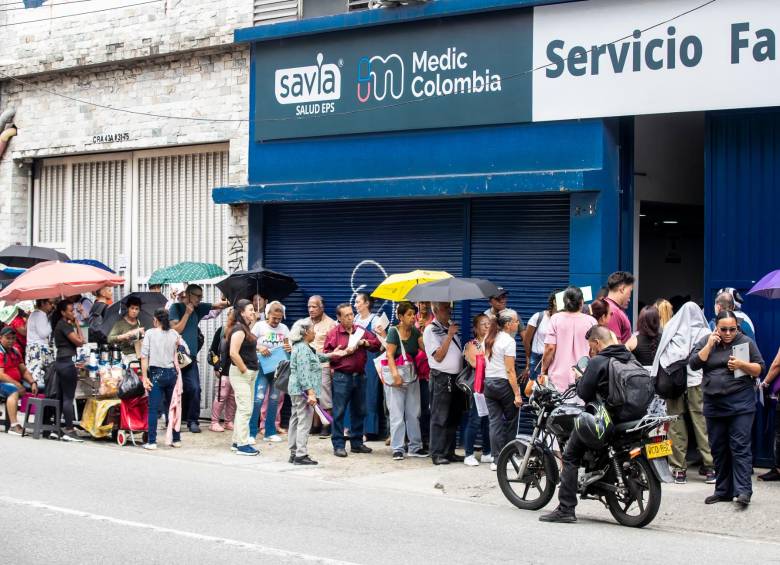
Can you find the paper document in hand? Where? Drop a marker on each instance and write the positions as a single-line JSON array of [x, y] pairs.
[[742, 352], [381, 322], [355, 338]]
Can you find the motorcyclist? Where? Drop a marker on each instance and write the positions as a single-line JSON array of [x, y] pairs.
[[594, 383]]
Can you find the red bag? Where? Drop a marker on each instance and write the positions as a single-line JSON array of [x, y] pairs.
[[479, 373], [421, 364]]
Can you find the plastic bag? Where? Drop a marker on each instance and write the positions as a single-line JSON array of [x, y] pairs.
[[109, 381], [131, 386]]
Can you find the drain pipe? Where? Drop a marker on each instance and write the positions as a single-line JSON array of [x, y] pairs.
[[7, 129]]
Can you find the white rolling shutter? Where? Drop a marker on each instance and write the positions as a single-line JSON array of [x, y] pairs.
[[99, 212], [274, 11], [50, 216]]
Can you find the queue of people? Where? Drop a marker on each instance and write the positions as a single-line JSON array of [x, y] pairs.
[[354, 379]]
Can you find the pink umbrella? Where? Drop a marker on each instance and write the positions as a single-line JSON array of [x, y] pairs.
[[54, 279]]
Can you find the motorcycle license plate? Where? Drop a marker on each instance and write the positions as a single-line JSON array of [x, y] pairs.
[[660, 449]]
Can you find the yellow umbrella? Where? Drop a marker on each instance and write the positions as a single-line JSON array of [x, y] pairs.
[[396, 287]]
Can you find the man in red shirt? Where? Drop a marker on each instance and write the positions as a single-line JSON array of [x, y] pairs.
[[349, 379], [12, 372], [620, 285]]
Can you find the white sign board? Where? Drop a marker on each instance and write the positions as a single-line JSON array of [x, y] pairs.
[[599, 63]]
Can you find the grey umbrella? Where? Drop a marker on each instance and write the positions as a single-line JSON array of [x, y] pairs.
[[25, 256], [452, 289], [150, 301]]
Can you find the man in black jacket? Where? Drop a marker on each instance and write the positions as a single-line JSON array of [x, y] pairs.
[[594, 383]]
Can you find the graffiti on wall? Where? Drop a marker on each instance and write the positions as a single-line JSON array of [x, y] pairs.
[[236, 252], [363, 271]]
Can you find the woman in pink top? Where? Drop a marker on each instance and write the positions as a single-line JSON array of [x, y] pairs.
[[565, 343]]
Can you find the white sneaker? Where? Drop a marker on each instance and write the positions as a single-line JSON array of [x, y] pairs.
[[252, 441], [53, 435], [71, 438], [150, 446], [471, 461], [274, 439], [486, 459], [176, 444], [493, 467]]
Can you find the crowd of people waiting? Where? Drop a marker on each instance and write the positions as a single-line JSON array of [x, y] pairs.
[[354, 379]]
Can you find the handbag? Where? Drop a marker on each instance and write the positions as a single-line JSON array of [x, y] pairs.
[[466, 378], [672, 382], [182, 356], [282, 376], [404, 365]]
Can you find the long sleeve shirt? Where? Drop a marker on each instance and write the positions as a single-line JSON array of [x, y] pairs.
[[305, 369], [355, 363]]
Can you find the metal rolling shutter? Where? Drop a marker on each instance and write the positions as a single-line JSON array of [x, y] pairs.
[[50, 216], [336, 249], [273, 11], [169, 182], [522, 244], [99, 210]]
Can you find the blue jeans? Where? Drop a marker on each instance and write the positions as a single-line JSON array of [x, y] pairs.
[[535, 364], [349, 389], [262, 384], [190, 398], [163, 383], [475, 425]]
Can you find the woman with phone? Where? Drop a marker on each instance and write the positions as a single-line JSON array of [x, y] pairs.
[[730, 362]]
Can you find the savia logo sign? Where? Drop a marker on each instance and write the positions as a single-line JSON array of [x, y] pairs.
[[310, 84], [379, 75]]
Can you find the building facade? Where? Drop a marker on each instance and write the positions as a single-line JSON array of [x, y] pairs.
[[535, 143]]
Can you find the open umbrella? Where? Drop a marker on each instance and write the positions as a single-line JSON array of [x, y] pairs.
[[449, 290], [267, 283], [186, 271], [395, 287], [768, 286], [25, 256], [54, 279], [150, 301], [93, 263]]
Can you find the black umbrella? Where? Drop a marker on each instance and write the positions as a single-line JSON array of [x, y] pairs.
[[449, 290], [267, 283], [150, 301], [25, 256]]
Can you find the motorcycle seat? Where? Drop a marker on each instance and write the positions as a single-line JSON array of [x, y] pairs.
[[623, 427]]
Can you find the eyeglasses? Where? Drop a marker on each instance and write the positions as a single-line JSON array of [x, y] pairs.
[[731, 330]]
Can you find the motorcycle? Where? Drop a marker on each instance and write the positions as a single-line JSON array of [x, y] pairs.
[[625, 475]]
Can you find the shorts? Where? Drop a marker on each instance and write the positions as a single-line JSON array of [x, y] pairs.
[[7, 389]]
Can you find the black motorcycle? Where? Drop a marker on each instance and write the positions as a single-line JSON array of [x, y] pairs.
[[625, 475]]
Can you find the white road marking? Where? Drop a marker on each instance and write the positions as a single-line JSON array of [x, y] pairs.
[[257, 548]]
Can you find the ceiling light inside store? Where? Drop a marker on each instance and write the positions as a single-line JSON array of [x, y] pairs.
[[670, 222]]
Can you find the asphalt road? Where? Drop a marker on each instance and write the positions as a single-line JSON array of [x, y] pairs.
[[88, 503]]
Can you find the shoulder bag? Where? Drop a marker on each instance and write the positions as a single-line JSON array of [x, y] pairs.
[[404, 364]]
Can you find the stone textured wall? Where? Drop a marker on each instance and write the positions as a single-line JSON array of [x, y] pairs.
[[54, 37]]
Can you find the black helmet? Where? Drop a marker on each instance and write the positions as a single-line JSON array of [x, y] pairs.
[[594, 426]]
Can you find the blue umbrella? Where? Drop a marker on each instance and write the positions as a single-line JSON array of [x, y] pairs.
[[93, 263]]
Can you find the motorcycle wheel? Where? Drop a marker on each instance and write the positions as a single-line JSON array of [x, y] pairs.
[[537, 487], [640, 505]]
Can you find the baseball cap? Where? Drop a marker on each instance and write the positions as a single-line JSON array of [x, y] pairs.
[[501, 292], [7, 330]]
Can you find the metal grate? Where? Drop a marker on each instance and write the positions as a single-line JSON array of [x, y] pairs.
[[274, 11], [354, 5], [51, 216]]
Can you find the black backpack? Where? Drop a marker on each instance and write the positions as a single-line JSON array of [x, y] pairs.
[[672, 382], [631, 389]]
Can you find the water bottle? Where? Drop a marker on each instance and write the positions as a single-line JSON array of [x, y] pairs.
[[92, 364], [116, 355]]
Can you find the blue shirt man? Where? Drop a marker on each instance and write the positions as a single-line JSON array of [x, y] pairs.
[[185, 317]]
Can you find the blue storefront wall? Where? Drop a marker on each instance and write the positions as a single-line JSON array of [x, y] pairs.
[[742, 240]]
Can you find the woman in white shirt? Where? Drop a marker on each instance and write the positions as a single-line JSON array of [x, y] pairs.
[[39, 354], [501, 390], [271, 334]]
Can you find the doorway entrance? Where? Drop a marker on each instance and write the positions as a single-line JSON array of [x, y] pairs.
[[669, 207]]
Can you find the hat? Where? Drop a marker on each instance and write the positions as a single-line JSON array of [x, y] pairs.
[[501, 292], [7, 330]]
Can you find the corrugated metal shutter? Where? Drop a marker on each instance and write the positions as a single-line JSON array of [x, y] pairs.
[[522, 244], [177, 220], [742, 243], [50, 217], [337, 249], [99, 209], [274, 11]]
